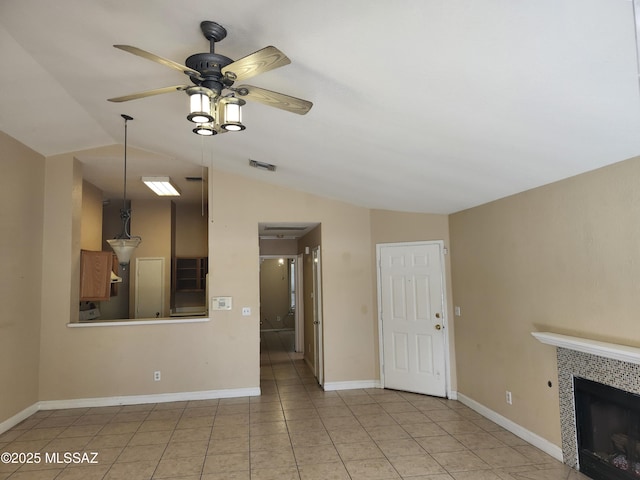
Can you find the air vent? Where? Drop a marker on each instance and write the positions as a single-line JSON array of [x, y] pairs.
[[193, 179], [286, 228], [262, 165]]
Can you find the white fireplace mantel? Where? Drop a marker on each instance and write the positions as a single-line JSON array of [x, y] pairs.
[[614, 351]]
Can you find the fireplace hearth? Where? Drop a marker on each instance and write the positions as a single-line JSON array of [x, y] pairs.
[[608, 431]]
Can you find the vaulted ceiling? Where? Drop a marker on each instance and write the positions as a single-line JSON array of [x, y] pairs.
[[419, 105]]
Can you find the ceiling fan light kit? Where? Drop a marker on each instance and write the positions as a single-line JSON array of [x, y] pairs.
[[212, 74], [205, 129], [200, 110], [231, 114]]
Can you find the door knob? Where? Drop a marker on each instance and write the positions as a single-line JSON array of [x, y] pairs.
[[438, 327]]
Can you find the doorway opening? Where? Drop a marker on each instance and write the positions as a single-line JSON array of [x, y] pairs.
[[278, 293], [290, 282]]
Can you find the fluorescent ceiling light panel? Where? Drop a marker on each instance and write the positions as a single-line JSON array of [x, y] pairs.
[[161, 186]]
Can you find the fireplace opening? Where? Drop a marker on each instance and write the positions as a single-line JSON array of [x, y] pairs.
[[608, 431]]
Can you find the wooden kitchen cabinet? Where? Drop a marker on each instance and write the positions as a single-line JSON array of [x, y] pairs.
[[95, 275]]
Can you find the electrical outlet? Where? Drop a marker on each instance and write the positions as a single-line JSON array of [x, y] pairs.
[[508, 397], [156, 376]]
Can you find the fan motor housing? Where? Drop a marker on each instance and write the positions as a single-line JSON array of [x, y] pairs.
[[209, 66]]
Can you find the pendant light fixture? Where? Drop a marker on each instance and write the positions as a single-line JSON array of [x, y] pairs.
[[124, 244]]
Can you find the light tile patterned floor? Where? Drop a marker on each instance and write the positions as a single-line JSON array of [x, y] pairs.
[[293, 431]]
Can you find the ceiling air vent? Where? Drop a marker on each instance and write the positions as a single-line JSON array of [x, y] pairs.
[[262, 165]]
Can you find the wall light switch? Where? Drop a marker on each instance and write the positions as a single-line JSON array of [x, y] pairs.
[[246, 311], [457, 311], [221, 303]]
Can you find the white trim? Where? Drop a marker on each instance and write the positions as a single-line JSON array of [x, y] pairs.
[[318, 350], [140, 399], [614, 351], [536, 440], [152, 321], [126, 400], [18, 417], [445, 314], [351, 385], [299, 314]]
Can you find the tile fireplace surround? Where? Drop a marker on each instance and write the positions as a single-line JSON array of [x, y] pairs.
[[614, 365]]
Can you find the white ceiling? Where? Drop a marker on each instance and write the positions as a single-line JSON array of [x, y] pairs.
[[419, 105]]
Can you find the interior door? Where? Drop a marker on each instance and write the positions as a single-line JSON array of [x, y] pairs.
[[317, 316], [412, 317], [149, 296]]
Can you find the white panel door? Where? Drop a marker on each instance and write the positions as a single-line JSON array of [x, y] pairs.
[[412, 318], [149, 287]]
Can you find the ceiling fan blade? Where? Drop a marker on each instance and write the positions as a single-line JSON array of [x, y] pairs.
[[162, 61], [258, 62], [274, 99], [149, 93]]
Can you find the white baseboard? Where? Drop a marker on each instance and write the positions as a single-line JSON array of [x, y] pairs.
[[351, 385], [527, 435], [125, 400], [139, 399], [18, 417]]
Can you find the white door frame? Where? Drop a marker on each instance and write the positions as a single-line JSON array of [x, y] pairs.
[[445, 314], [299, 305], [317, 315]]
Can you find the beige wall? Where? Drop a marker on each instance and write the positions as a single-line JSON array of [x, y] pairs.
[[270, 246], [346, 265], [91, 224], [151, 220], [394, 227], [562, 258], [22, 199], [191, 231], [120, 360], [274, 294]]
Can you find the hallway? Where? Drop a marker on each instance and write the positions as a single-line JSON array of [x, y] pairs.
[[294, 431]]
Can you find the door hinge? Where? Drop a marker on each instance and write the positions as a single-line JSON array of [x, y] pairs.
[[445, 251]]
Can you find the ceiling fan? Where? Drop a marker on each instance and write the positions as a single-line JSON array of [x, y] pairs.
[[215, 99]]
